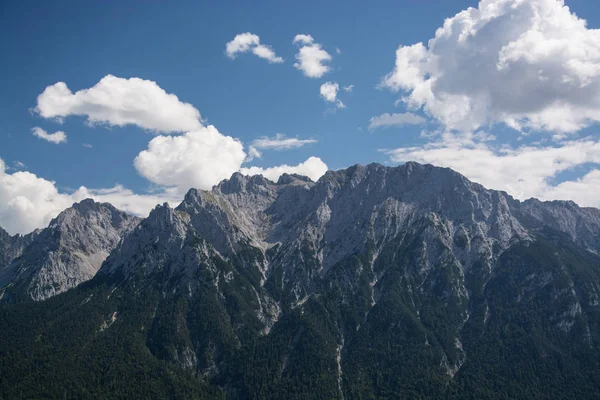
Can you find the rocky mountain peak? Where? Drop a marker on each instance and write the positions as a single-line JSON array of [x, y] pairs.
[[90, 204], [3, 234], [161, 217], [11, 247], [239, 183], [286, 179], [582, 224], [68, 252]]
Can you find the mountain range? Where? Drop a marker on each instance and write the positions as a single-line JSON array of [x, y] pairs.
[[373, 282]]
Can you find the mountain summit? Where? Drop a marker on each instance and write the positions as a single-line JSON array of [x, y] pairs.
[[68, 252]]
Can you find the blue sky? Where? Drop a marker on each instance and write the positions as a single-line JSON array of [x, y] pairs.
[[181, 47]]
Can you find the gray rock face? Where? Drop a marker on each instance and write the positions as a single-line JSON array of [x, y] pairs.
[[12, 247], [582, 224], [300, 228], [68, 252], [303, 229]]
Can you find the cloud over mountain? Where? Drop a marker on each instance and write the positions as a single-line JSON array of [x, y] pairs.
[[524, 172], [202, 158], [313, 167], [28, 201], [199, 159]]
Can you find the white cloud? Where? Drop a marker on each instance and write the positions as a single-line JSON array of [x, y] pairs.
[[313, 167], [388, 120], [241, 43], [348, 88], [245, 42], [118, 102], [311, 58], [523, 172], [280, 142], [267, 53], [253, 153], [530, 64], [56, 137], [203, 158], [28, 202], [583, 191], [303, 39], [200, 159], [126, 200], [87, 145], [329, 91]]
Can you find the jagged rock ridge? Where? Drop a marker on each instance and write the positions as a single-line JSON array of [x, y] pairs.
[[68, 252], [12, 247], [349, 210]]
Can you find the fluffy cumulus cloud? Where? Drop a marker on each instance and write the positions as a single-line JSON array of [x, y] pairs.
[[329, 92], [303, 39], [388, 120], [524, 172], [118, 102], [203, 158], [56, 137], [529, 64], [249, 42], [200, 159], [313, 167], [28, 202], [311, 59]]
